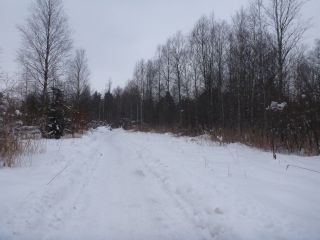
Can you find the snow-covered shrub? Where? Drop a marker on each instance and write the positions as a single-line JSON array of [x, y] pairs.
[[275, 106]]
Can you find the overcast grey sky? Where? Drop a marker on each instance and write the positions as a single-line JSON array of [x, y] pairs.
[[117, 33]]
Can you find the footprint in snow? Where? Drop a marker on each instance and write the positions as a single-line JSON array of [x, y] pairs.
[[139, 173], [211, 211], [218, 211]]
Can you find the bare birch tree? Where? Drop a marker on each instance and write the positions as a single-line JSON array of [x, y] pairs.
[[45, 44], [78, 76]]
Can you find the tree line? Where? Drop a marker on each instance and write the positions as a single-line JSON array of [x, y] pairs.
[[248, 80]]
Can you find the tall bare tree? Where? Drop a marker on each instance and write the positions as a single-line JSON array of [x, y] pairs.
[[219, 53], [158, 63], [166, 61], [178, 54], [199, 40], [238, 62], [78, 75], [288, 28], [139, 76], [46, 44]]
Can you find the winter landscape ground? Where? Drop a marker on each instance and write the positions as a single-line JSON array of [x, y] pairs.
[[127, 185]]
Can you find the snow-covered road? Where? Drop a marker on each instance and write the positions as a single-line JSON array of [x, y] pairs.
[[125, 185]]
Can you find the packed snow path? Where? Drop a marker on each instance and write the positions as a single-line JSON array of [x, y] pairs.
[[124, 185]]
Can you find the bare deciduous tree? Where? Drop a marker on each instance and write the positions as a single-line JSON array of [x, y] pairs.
[[166, 60], [178, 54], [139, 76], [158, 63], [45, 44], [288, 27], [78, 75], [220, 48]]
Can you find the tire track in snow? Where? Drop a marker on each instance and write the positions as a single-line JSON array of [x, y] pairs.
[[66, 213], [185, 207], [168, 223], [53, 203], [198, 217]]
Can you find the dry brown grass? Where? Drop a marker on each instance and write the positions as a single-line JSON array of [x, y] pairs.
[[258, 138], [9, 149], [17, 152]]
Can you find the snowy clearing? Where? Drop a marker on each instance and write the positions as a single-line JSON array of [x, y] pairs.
[[124, 185]]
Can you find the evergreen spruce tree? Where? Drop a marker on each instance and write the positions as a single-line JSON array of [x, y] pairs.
[[57, 115]]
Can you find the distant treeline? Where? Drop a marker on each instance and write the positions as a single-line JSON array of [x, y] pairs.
[[248, 81]]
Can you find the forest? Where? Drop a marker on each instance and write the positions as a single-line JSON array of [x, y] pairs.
[[251, 80]]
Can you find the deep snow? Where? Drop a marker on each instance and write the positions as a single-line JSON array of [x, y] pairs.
[[125, 185]]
